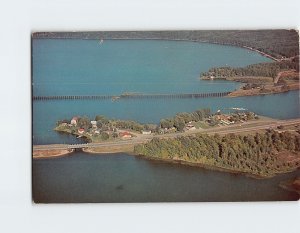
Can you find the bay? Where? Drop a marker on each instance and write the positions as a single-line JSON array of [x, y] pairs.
[[86, 67]]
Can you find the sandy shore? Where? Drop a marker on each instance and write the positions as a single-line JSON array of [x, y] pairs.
[[51, 153], [110, 149]]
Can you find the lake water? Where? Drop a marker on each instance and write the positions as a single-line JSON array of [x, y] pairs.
[[83, 67], [124, 178]]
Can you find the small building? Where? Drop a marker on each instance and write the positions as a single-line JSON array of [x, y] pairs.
[[145, 132], [225, 122], [94, 124], [80, 131], [222, 117], [125, 135], [74, 121]]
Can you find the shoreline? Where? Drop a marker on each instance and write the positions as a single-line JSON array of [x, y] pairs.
[[240, 92], [51, 153], [213, 167], [109, 149], [163, 39], [269, 86]]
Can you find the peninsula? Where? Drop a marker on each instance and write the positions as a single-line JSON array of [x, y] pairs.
[[238, 141], [259, 79]]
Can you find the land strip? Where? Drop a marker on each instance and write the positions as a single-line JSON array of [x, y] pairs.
[[126, 145], [51, 153]]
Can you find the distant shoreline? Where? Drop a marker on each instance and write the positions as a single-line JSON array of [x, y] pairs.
[[267, 82], [187, 40]]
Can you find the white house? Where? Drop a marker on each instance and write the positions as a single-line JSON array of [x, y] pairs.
[[74, 121], [146, 132], [94, 124]]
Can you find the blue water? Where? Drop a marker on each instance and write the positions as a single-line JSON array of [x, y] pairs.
[[69, 67], [124, 178], [46, 113], [84, 67]]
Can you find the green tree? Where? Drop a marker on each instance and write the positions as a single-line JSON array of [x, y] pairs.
[[104, 136]]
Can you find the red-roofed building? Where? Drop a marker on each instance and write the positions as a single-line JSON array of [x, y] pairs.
[[125, 135], [80, 131]]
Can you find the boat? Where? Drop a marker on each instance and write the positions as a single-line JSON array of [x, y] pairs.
[[101, 41], [239, 109], [115, 98]]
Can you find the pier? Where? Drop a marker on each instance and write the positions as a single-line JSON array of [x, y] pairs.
[[132, 96]]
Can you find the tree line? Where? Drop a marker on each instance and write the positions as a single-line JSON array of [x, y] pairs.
[[255, 154], [277, 43]]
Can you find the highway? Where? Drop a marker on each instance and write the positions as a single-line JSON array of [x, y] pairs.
[[252, 126]]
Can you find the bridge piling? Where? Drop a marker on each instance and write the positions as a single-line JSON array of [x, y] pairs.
[[134, 96]]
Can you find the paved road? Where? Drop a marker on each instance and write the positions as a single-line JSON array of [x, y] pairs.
[[245, 127]]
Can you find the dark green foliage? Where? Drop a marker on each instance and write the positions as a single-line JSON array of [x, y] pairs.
[[104, 136], [84, 122], [255, 154], [101, 119], [123, 124], [182, 118], [270, 69]]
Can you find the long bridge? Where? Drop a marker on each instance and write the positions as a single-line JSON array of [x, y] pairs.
[[132, 96]]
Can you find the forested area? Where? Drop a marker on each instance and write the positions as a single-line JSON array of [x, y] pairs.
[[277, 43], [261, 69], [256, 154]]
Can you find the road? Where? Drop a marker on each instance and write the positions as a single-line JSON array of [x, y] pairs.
[[252, 126]]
